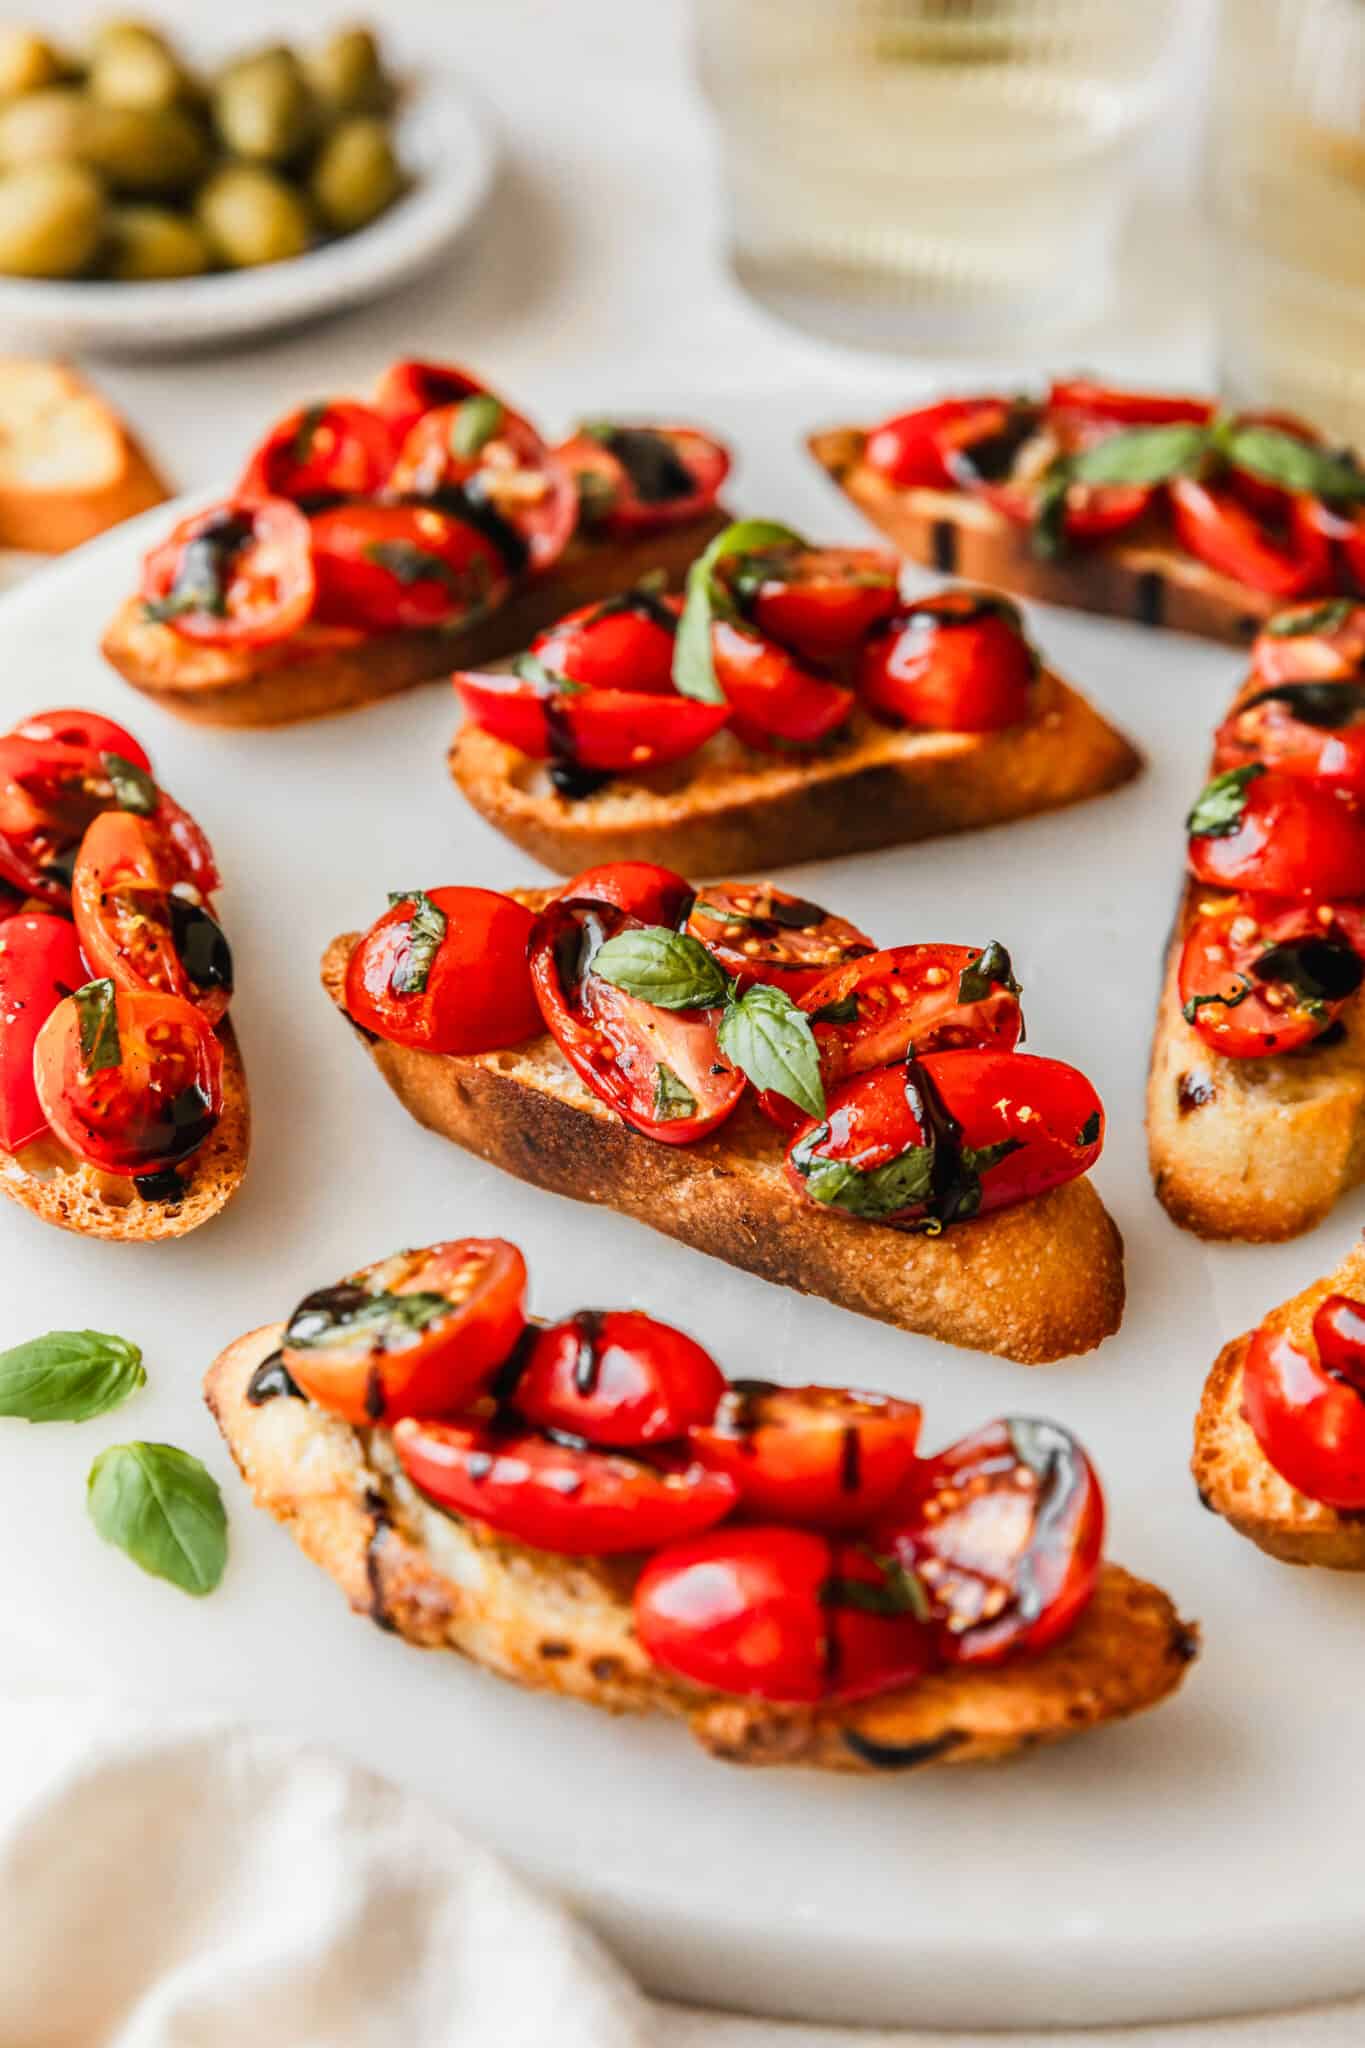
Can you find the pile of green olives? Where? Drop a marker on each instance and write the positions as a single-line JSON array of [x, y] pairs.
[[128, 164]]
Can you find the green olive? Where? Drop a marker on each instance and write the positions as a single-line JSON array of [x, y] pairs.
[[135, 68], [356, 174], [139, 149], [348, 74], [28, 61], [263, 108], [252, 216], [150, 241], [51, 220], [43, 125]]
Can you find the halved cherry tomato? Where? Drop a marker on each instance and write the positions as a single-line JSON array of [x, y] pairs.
[[1312, 643], [616, 1378], [908, 449], [1125, 408], [633, 479], [624, 643], [136, 926], [1004, 1532], [556, 1496], [1002, 454], [827, 1457], [1214, 524], [587, 733], [774, 701], [779, 1614], [445, 970], [655, 895], [956, 662], [1287, 836], [86, 730], [662, 1071], [239, 574], [386, 568], [1313, 729], [1307, 1412], [1259, 976], [409, 389], [490, 464], [40, 964], [819, 602], [1353, 548], [759, 933], [321, 451], [420, 1333], [956, 1135], [130, 1080]]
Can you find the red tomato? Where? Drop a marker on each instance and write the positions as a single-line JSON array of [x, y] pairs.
[[624, 643], [778, 1614], [616, 1378], [409, 389], [322, 451], [1307, 1412], [773, 700], [1313, 729], [957, 662], [1213, 523], [239, 574], [632, 480], [131, 1081], [1287, 837], [1125, 408], [445, 970], [85, 730], [1259, 976], [491, 464], [40, 963], [908, 450], [390, 568], [820, 602], [1002, 452], [1353, 548], [559, 1497], [1004, 1532], [759, 933], [655, 895], [587, 735], [133, 924], [1312, 643], [662, 1071], [420, 1333], [825, 1456]]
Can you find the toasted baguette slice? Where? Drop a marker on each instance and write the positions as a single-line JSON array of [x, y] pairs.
[[730, 809], [564, 1624], [1143, 576], [325, 669], [1034, 1283], [69, 468], [1233, 1474], [95, 1205]]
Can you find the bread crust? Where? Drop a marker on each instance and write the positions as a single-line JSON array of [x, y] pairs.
[[1034, 1283], [564, 1624], [56, 404], [324, 669], [1143, 576]]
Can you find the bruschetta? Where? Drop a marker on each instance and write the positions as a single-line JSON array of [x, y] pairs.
[[558, 1501], [1152, 507], [794, 708], [368, 548], [123, 1103], [742, 1070], [1256, 1096], [69, 467]]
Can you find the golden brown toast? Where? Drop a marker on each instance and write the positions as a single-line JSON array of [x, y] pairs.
[[69, 468]]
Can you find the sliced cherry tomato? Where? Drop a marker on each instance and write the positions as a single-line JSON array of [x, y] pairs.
[[819, 602], [624, 643], [1313, 729], [1278, 834], [634, 479], [1125, 408], [491, 466], [390, 568], [131, 1081], [827, 1457], [956, 1135], [655, 895], [956, 662], [662, 1071], [1003, 452], [40, 964], [587, 734], [1307, 1412], [1214, 524], [86, 730], [779, 1614], [774, 701], [617, 1379], [420, 1333], [1259, 976], [1353, 548], [1004, 1532], [1312, 643], [136, 926], [759, 933], [908, 449], [239, 574], [322, 451], [409, 389], [445, 970]]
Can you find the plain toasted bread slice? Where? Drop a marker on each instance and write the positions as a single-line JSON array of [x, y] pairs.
[[731, 809], [1034, 1283], [93, 1204], [325, 669], [1144, 576], [564, 1624], [69, 468], [1233, 1474]]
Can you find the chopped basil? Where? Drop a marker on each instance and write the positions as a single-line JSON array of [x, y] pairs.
[[769, 1039], [1049, 520], [1190, 1010], [425, 933], [531, 669], [596, 495], [844, 1011], [310, 419], [97, 1010], [992, 968], [1142, 455], [159, 1505], [1317, 618], [348, 1316], [872, 1193], [672, 1097], [670, 969], [1218, 809], [134, 789], [476, 421], [899, 1592], [1329, 706], [68, 1376], [203, 571], [410, 564], [1292, 464], [694, 672]]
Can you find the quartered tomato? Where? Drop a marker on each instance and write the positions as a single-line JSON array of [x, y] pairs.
[[420, 1333], [1004, 1532], [957, 662], [1281, 835], [445, 970], [1307, 1411], [1315, 729], [491, 465], [662, 1071], [135, 921], [385, 568], [908, 450], [956, 1135], [655, 895], [1002, 454], [634, 479], [409, 389], [828, 1457], [759, 933], [560, 1497], [131, 1081], [239, 574], [774, 701], [1312, 643], [587, 733], [616, 1378], [820, 602], [1125, 408], [322, 451], [40, 964], [1260, 976], [1215, 524], [780, 1614], [623, 643]]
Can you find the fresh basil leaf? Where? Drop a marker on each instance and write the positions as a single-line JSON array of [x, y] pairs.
[[979, 1159], [1142, 455], [531, 669], [768, 1038], [310, 419], [669, 969], [1190, 1010], [1294, 465], [348, 1317], [900, 1592], [409, 564], [159, 1505], [694, 671], [1049, 536], [134, 789], [68, 1376], [1218, 808], [1316, 618], [873, 1193], [992, 968], [97, 1009], [476, 421], [672, 1097], [425, 933], [844, 1011]]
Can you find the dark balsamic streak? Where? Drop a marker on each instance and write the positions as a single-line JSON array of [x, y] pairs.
[[944, 541], [901, 1756], [1150, 608], [850, 1460], [272, 1378], [374, 1394], [587, 1329], [377, 1508]]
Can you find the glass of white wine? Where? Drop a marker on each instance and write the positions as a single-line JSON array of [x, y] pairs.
[[931, 172]]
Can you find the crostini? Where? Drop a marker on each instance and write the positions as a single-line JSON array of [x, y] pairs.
[[123, 1104], [1256, 1095], [69, 467], [794, 708], [1155, 508], [742, 1070], [558, 1502], [368, 548]]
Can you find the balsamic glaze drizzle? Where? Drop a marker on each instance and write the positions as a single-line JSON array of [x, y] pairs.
[[272, 1378]]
